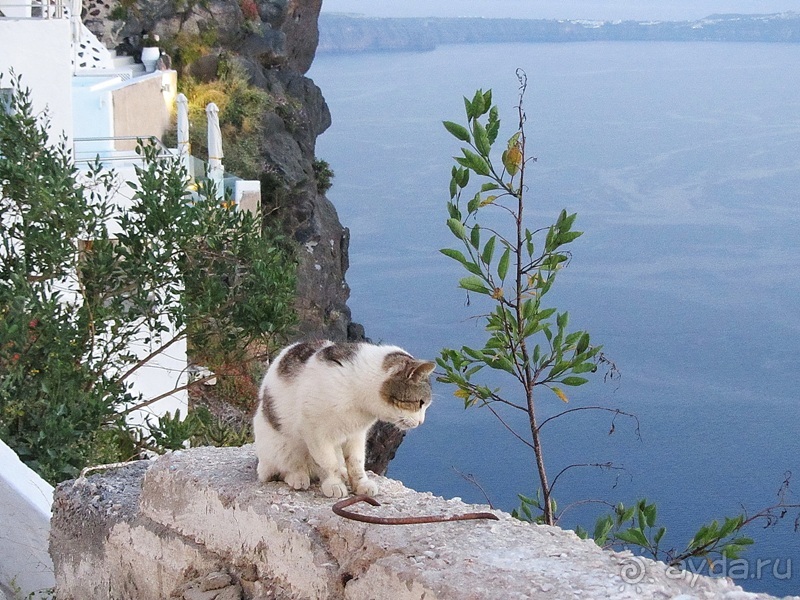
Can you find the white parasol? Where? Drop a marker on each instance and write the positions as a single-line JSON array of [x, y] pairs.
[[184, 147], [215, 168]]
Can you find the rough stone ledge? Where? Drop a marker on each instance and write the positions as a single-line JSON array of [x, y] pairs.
[[198, 525]]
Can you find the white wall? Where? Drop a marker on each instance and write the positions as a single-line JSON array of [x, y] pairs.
[[40, 51], [162, 373], [25, 500]]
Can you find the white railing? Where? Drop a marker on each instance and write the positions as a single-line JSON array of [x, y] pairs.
[[34, 9], [105, 148], [88, 51]]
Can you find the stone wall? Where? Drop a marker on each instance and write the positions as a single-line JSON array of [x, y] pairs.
[[197, 525]]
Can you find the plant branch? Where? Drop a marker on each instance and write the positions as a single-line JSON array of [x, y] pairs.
[[606, 465], [507, 426], [616, 412], [186, 386]]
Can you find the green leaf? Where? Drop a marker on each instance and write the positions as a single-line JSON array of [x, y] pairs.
[[574, 381], [659, 534], [475, 237], [453, 211], [650, 514], [633, 536], [473, 283], [482, 140], [546, 313], [463, 178], [471, 352], [454, 254], [502, 266], [566, 238], [493, 128], [457, 227], [453, 188], [478, 104], [743, 541], [469, 109], [583, 343], [474, 204], [457, 130], [730, 525], [488, 250], [601, 529], [474, 162]]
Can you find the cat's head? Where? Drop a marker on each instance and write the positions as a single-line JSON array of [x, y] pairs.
[[406, 391]]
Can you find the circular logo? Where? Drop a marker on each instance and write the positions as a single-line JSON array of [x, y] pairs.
[[632, 570]]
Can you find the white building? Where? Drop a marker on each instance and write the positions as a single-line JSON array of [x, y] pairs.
[[101, 103]]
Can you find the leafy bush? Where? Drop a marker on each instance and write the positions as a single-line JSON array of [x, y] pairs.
[[241, 111], [73, 297], [323, 174]]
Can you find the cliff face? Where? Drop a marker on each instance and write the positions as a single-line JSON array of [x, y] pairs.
[[274, 41]]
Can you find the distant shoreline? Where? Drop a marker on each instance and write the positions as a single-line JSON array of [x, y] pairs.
[[346, 33]]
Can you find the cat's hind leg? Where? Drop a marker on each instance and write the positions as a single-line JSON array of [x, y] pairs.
[[297, 467], [354, 451], [267, 444]]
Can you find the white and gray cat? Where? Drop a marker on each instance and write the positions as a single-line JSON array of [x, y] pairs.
[[317, 403]]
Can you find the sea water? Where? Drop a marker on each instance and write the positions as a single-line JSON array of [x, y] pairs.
[[683, 164]]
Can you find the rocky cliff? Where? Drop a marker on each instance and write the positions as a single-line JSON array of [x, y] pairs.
[[274, 41]]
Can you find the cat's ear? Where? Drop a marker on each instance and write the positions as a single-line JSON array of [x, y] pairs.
[[420, 370]]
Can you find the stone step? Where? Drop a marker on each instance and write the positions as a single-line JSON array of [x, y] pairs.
[[127, 62]]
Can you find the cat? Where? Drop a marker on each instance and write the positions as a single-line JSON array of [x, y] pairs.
[[317, 403]]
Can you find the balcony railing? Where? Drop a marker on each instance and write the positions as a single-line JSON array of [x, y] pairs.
[[34, 9], [88, 149]]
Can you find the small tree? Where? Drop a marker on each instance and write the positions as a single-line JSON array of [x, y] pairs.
[[515, 268], [74, 297]]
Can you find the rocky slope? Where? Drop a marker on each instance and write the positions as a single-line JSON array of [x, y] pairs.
[[274, 41]]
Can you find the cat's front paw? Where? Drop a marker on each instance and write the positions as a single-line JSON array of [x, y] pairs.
[[366, 487], [334, 488], [298, 481]]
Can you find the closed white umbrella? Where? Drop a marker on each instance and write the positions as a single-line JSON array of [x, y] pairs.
[[215, 168], [75, 9], [184, 147]]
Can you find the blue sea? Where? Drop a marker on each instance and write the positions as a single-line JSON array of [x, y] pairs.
[[683, 163]]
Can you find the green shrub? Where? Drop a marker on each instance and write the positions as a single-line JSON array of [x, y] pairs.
[[72, 298]]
